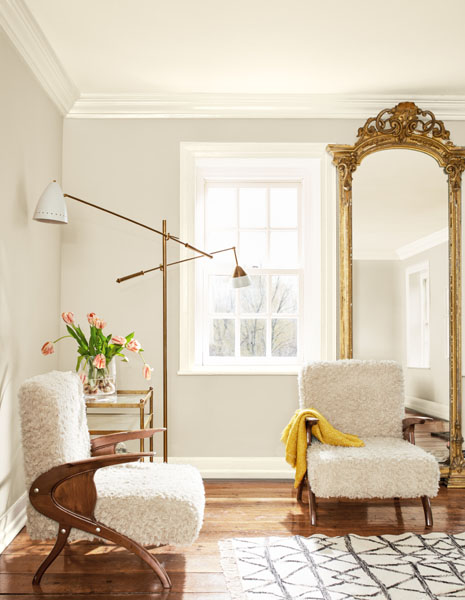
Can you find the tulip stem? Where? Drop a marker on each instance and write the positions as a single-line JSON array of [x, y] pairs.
[[62, 338]]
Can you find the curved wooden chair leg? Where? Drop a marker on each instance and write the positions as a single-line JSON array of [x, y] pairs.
[[428, 512], [300, 489], [311, 504], [142, 553], [63, 533]]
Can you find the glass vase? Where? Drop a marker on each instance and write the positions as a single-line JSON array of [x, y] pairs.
[[99, 383]]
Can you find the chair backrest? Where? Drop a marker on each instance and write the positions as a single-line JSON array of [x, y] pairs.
[[53, 422], [362, 397]]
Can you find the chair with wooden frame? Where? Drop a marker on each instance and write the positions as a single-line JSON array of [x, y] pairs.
[[365, 398], [83, 489]]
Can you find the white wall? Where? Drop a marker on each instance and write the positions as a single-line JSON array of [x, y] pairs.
[[132, 167], [30, 274]]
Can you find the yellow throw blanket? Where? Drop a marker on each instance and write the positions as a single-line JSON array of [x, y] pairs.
[[295, 438]]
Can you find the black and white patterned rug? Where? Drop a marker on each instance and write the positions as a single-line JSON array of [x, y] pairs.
[[350, 567]]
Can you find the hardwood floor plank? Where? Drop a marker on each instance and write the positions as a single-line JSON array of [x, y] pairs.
[[234, 509]]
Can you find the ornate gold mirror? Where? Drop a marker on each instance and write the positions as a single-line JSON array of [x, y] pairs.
[[407, 127]]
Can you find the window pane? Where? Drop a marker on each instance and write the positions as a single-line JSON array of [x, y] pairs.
[[283, 249], [252, 207], [220, 208], [252, 248], [253, 298], [221, 337], [283, 207], [222, 298], [217, 240], [284, 293], [284, 337], [253, 337]]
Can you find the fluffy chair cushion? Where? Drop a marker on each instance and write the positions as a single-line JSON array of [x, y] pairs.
[[150, 503], [53, 422], [362, 397], [384, 468], [165, 502]]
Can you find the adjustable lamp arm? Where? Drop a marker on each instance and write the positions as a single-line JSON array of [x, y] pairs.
[[177, 262], [51, 208], [168, 236]]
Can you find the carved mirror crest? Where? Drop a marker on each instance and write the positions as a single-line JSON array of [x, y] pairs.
[[410, 128]]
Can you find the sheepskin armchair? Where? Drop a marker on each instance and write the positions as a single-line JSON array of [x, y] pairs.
[[365, 398], [81, 489]]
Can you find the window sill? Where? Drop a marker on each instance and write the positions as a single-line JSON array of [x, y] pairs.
[[241, 370]]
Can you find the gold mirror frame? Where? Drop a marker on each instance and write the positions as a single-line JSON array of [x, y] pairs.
[[408, 127]]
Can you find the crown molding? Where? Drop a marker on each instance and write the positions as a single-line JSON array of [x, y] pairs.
[[423, 244], [27, 37], [216, 106], [31, 43]]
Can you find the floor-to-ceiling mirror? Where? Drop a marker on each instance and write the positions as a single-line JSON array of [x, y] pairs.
[[400, 279], [420, 325]]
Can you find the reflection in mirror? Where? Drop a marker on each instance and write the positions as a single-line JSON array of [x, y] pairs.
[[400, 279]]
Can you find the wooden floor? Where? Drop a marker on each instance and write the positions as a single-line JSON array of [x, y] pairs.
[[234, 508]]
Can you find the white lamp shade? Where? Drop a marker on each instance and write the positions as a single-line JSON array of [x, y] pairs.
[[240, 278], [51, 207]]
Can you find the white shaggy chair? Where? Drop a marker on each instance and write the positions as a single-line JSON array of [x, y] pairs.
[[129, 504], [365, 398]]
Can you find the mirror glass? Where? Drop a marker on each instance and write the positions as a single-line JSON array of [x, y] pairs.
[[400, 279]]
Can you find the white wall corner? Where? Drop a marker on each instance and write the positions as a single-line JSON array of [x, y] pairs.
[[12, 521], [29, 40], [237, 467]]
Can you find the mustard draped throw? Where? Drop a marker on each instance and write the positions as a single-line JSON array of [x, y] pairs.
[[294, 437]]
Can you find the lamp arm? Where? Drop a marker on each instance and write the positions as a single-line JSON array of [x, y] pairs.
[[166, 235], [177, 262]]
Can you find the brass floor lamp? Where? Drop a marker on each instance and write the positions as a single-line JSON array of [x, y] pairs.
[[51, 208]]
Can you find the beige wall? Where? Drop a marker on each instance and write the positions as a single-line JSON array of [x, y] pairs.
[[30, 155], [377, 310], [133, 167], [433, 383]]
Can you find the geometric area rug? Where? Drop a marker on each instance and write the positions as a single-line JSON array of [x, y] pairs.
[[350, 567]]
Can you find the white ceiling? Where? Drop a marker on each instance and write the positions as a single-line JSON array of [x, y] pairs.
[[257, 46], [285, 52], [399, 196]]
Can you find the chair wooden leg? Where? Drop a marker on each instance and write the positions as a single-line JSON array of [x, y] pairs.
[[300, 489], [311, 504], [63, 533], [428, 512]]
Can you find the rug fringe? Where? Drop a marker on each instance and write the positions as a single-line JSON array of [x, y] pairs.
[[230, 570]]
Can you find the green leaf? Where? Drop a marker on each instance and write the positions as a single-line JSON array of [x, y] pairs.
[[79, 360], [129, 337]]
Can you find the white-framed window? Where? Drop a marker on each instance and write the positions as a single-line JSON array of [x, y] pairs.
[[418, 315], [267, 204], [263, 323]]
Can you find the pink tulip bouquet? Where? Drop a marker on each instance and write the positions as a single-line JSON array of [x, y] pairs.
[[95, 354]]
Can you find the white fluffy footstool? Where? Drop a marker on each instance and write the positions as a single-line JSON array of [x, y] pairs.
[[83, 490]]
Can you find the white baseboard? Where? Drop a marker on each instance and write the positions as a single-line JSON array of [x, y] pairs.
[[427, 407], [235, 467], [12, 521]]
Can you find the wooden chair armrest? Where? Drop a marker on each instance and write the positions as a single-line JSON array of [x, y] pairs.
[[67, 494], [45, 483], [408, 427], [106, 444], [309, 423]]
